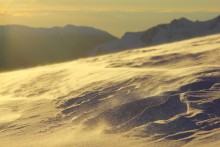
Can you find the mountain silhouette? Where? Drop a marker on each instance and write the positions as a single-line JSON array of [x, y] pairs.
[[22, 46], [176, 30]]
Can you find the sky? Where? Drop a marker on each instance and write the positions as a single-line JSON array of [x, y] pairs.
[[114, 16]]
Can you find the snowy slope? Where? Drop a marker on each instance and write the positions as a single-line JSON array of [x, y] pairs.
[[178, 29], [164, 95]]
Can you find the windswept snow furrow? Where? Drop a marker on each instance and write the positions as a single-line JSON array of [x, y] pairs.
[[126, 96]]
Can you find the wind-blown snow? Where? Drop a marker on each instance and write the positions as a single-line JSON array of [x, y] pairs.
[[162, 95]]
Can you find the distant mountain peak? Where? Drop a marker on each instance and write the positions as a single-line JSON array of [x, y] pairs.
[[176, 30], [180, 22], [217, 18], [47, 45], [69, 26]]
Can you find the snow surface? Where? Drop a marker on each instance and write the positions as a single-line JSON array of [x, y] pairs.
[[164, 95]]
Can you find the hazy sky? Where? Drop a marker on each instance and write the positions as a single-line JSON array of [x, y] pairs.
[[114, 16]]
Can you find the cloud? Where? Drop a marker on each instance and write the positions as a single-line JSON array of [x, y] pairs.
[[190, 10], [30, 9], [2, 12]]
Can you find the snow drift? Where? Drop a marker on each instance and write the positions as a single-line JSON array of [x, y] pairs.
[[163, 95]]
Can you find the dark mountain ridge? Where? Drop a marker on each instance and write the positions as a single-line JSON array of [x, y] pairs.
[[176, 30], [22, 46]]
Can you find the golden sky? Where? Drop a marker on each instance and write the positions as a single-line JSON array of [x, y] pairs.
[[114, 16]]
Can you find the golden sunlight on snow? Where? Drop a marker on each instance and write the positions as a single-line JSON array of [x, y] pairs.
[[162, 95]]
